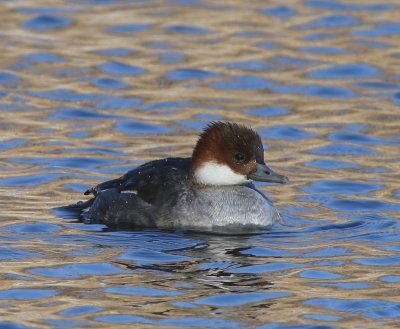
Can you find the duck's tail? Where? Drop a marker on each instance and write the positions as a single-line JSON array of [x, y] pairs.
[[74, 210]]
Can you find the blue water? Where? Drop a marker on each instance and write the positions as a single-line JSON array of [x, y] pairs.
[[91, 90]]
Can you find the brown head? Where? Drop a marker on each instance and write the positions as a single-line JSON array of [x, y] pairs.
[[229, 154]]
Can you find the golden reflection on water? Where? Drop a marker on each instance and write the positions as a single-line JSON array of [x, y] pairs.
[[230, 32]]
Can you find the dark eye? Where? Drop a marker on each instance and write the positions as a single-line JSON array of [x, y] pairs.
[[239, 157]]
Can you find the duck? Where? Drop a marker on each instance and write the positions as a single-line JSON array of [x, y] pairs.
[[211, 191]]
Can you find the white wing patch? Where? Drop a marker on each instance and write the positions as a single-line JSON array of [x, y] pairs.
[[213, 173], [129, 192]]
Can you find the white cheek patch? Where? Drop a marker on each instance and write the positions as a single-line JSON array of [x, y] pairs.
[[213, 173]]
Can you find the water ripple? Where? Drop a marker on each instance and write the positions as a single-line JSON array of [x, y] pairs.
[[348, 71], [227, 300], [27, 294], [47, 22], [75, 271], [119, 68], [371, 308]]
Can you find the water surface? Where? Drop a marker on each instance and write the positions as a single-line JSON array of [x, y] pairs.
[[91, 89]]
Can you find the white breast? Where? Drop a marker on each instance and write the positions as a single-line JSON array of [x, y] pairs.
[[213, 173]]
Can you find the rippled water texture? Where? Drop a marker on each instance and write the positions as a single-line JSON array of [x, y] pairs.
[[91, 88]]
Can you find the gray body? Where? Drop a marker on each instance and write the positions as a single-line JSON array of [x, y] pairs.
[[160, 194], [221, 209]]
